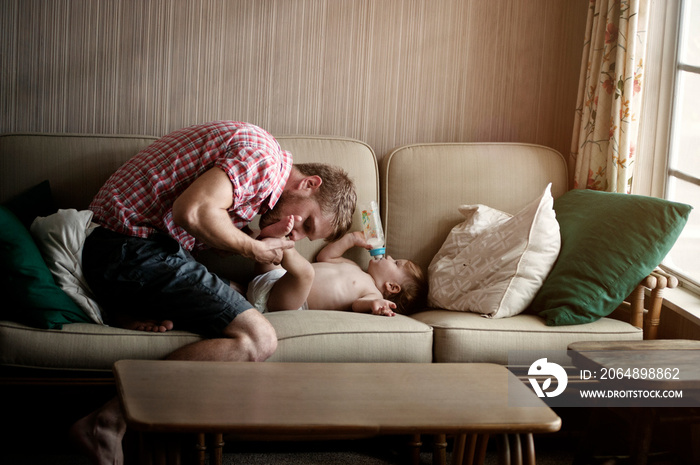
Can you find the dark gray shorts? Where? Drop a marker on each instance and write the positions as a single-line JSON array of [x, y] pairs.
[[156, 279]]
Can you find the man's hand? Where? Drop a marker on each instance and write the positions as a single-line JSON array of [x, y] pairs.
[[270, 250]]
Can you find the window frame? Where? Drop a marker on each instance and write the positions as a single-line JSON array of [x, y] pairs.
[[654, 170]]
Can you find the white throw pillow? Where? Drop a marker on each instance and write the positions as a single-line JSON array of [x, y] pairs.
[[494, 263], [60, 238]]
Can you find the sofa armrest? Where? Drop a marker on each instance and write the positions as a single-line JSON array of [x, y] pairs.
[[644, 313]]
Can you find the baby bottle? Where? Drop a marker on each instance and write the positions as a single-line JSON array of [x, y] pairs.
[[372, 228]]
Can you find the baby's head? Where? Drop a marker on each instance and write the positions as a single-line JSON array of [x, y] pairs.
[[413, 292]]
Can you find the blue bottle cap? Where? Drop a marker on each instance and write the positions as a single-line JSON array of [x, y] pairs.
[[378, 251]]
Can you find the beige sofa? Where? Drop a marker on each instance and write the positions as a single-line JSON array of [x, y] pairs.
[[420, 187]]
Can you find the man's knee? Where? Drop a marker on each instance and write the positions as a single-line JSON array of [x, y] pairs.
[[257, 337]]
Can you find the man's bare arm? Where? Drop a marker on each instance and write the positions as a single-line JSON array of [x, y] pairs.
[[202, 211]]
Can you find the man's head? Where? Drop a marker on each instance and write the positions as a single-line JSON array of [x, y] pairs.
[[322, 198]]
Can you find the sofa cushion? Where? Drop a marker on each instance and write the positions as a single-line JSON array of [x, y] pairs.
[[422, 184], [494, 263], [304, 336], [31, 292], [610, 242], [332, 336], [83, 346], [462, 337]]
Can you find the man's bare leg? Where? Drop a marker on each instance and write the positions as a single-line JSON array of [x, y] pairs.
[[99, 435], [249, 337]]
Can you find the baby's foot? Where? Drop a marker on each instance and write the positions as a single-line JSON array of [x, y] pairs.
[[279, 229]]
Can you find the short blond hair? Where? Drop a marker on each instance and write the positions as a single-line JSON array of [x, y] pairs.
[[414, 290], [336, 196]]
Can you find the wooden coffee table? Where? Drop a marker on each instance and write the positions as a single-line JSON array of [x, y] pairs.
[[678, 362], [328, 400]]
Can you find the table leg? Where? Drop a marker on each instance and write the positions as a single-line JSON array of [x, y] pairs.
[[480, 449], [201, 449], [503, 450], [529, 449], [516, 453], [642, 435], [470, 449], [414, 449], [160, 449], [458, 449], [439, 449], [217, 453], [516, 450]]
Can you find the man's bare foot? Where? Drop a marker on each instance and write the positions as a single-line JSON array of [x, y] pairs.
[[99, 435], [152, 326], [279, 229]]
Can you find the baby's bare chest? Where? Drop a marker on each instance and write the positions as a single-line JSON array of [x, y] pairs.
[[337, 286]]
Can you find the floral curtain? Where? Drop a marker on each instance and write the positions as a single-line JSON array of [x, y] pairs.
[[610, 94]]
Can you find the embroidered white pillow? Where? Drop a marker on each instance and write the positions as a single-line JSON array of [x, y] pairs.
[[494, 263], [60, 238]]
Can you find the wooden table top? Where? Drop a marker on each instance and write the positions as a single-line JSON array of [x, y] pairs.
[[678, 360], [326, 398]]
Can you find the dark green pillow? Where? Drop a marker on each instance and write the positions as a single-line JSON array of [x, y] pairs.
[[35, 201], [27, 287], [609, 243]]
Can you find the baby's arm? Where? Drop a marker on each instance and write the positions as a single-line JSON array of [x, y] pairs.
[[334, 251], [375, 306]]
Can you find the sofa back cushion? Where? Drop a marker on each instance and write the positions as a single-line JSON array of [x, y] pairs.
[[77, 165], [355, 157], [424, 184]]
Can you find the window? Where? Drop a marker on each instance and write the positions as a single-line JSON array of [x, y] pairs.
[[683, 172]]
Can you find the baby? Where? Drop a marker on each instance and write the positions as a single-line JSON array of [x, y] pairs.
[[335, 283]]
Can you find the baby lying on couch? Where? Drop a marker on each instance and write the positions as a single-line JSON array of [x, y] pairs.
[[335, 283]]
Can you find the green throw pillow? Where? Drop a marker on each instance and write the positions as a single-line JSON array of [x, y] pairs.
[[35, 201], [27, 286], [609, 243]]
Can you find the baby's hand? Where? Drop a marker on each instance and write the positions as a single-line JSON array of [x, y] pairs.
[[358, 239], [383, 307]]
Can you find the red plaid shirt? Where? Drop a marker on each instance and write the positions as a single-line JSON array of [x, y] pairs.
[[137, 199]]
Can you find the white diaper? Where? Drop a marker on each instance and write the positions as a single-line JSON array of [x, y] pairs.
[[260, 287]]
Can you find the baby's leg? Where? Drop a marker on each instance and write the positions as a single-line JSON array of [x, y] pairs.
[[291, 290], [279, 229]]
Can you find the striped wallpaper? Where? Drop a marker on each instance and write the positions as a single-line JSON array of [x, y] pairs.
[[388, 72]]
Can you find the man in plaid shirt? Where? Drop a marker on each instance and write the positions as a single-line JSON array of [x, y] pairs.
[[195, 188]]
